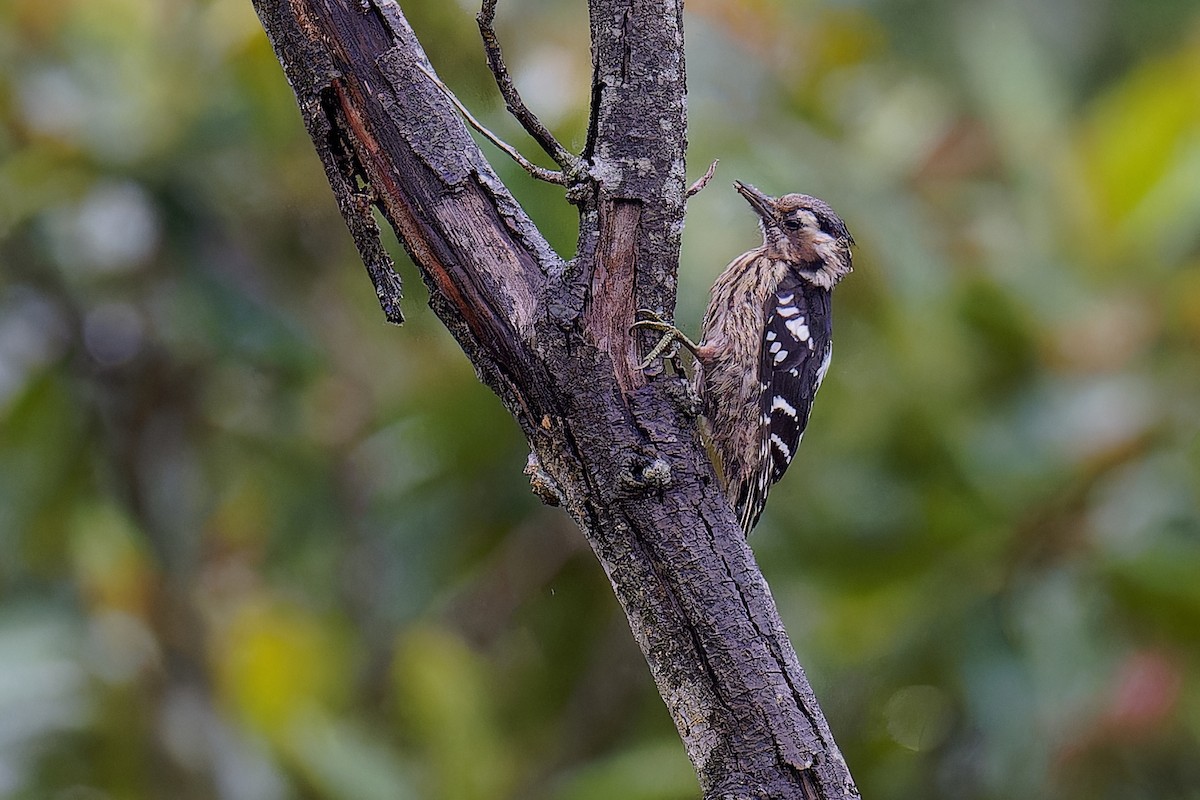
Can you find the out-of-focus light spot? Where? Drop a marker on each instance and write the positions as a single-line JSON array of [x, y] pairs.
[[52, 103], [919, 717], [113, 333], [42, 688], [119, 647], [557, 77], [1146, 691], [115, 228], [1134, 506], [1093, 417], [33, 332], [183, 726]]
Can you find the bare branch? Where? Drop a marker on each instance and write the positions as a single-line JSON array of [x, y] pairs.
[[541, 173], [696, 187], [512, 98]]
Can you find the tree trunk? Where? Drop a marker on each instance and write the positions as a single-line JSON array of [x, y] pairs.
[[621, 454]]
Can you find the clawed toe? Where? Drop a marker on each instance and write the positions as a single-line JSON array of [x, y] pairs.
[[649, 314], [652, 321], [652, 325]]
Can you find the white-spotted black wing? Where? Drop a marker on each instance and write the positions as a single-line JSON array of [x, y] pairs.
[[796, 350], [797, 346]]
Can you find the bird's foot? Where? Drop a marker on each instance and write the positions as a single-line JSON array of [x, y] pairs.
[[651, 321]]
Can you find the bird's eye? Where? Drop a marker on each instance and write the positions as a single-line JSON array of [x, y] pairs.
[[792, 224]]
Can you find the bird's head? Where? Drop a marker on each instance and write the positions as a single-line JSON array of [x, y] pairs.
[[803, 232]]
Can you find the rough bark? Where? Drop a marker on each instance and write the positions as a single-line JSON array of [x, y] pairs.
[[621, 455]]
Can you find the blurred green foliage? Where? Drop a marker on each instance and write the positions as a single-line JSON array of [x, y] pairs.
[[255, 543]]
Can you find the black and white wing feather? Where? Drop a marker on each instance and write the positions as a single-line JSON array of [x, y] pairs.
[[796, 351]]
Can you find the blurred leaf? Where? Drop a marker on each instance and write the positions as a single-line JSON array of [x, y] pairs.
[[343, 762], [1143, 137], [42, 687], [111, 566], [41, 436], [445, 698], [277, 663], [655, 771]]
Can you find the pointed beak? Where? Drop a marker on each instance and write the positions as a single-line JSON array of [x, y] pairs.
[[760, 202]]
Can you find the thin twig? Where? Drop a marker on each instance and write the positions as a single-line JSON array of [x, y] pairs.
[[512, 98], [541, 173], [704, 179]]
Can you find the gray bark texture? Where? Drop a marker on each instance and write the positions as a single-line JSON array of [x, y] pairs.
[[620, 452]]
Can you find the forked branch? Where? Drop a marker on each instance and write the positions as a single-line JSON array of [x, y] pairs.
[[541, 173], [512, 98]]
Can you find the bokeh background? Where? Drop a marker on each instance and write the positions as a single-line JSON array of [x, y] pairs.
[[256, 544]]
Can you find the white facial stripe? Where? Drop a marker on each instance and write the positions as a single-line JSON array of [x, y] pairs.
[[826, 246], [835, 259]]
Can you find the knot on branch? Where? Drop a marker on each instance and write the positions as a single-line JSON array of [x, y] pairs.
[[657, 474], [544, 486], [581, 185], [644, 476]]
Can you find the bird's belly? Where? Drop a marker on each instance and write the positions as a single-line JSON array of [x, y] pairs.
[[731, 397]]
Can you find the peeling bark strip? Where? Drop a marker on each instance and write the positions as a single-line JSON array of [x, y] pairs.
[[638, 132], [610, 308], [621, 455]]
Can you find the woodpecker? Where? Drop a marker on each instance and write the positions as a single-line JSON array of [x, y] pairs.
[[765, 343]]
